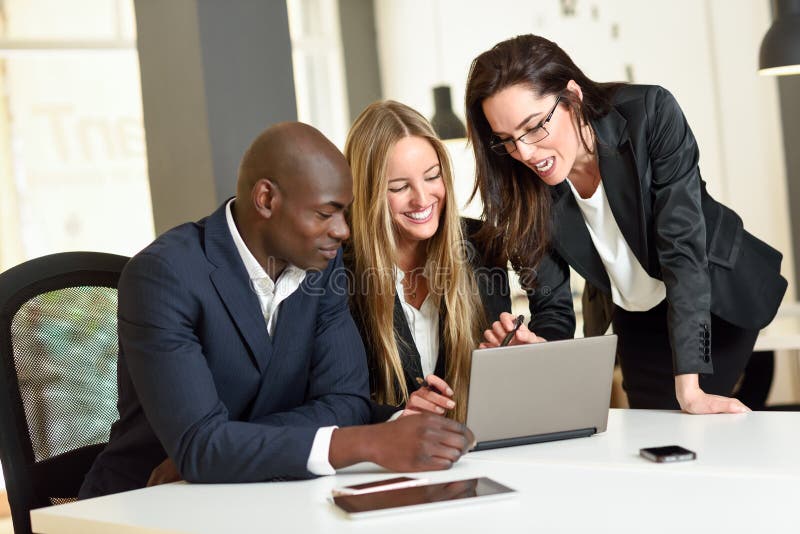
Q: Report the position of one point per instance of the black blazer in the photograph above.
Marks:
(709, 264)
(550, 304)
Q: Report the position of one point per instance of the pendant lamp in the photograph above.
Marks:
(780, 49)
(444, 121)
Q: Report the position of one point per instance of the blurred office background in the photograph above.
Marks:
(120, 119)
(73, 168)
(73, 157)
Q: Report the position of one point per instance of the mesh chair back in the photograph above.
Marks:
(58, 390)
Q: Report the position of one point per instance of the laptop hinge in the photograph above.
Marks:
(538, 438)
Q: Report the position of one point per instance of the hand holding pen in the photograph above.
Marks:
(517, 323)
(509, 330)
(433, 396)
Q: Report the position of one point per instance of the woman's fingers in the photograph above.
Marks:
(491, 338)
(418, 403)
(507, 321)
(494, 336)
(705, 403)
(525, 336)
(439, 384)
(427, 400)
(727, 405)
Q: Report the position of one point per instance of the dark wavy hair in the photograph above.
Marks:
(516, 203)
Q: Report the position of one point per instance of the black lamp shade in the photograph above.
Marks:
(444, 121)
(780, 48)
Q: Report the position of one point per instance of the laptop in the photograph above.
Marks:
(525, 394)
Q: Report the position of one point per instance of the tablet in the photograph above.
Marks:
(379, 485)
(422, 497)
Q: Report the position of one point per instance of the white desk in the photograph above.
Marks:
(746, 479)
(752, 444)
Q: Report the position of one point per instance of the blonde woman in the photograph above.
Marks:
(420, 293)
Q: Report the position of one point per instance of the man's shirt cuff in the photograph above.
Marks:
(318, 463)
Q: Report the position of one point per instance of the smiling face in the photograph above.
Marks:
(293, 188)
(416, 190)
(303, 213)
(515, 110)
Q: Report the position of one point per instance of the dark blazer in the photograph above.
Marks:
(201, 380)
(550, 304)
(709, 264)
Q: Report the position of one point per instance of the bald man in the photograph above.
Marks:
(239, 360)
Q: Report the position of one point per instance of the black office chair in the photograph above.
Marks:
(58, 368)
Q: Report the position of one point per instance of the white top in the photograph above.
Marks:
(632, 288)
(270, 295)
(424, 326)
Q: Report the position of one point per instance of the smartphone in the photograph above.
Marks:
(379, 485)
(422, 496)
(670, 453)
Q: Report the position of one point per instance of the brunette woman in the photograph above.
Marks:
(607, 175)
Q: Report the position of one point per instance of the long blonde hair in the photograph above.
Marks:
(374, 256)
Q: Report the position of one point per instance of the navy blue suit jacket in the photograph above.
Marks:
(201, 380)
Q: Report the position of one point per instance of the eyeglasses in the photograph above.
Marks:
(505, 147)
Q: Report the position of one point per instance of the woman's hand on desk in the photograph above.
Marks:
(694, 400)
(493, 337)
(435, 399)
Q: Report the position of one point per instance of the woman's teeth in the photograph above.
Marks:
(545, 165)
(420, 215)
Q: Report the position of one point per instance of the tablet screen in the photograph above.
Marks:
(427, 494)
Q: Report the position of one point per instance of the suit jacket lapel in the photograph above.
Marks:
(295, 306)
(441, 361)
(232, 283)
(572, 240)
(621, 181)
(409, 355)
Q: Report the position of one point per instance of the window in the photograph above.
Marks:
(319, 80)
(73, 167)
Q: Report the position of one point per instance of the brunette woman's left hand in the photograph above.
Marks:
(505, 324)
(696, 401)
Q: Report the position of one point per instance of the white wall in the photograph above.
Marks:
(704, 51)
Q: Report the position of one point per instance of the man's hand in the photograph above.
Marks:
(164, 473)
(505, 324)
(696, 401)
(437, 400)
(424, 442)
